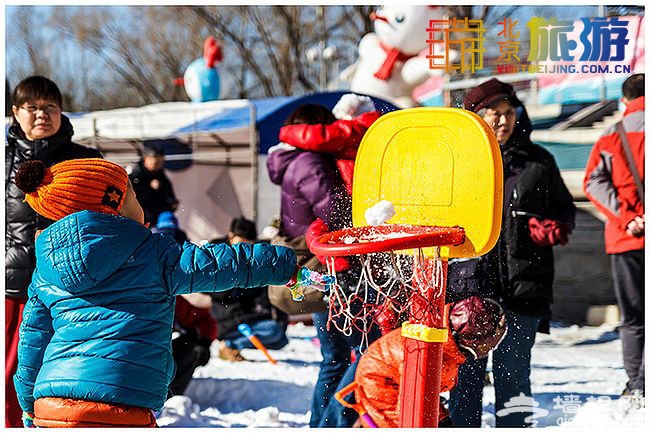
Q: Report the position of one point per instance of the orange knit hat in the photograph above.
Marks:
(72, 186)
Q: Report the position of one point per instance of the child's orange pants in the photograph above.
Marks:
(66, 412)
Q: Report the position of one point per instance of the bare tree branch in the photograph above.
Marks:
(295, 42)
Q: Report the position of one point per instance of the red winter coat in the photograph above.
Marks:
(609, 184)
(340, 138)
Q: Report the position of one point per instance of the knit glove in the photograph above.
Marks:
(548, 232)
(317, 229)
(351, 105)
(28, 420)
(478, 325)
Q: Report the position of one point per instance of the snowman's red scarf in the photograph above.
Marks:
(393, 55)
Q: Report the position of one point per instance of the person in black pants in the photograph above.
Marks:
(614, 183)
(538, 214)
(194, 332)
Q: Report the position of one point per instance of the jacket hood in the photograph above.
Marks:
(43, 147)
(83, 249)
(278, 162)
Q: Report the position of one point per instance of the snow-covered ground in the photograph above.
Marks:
(577, 376)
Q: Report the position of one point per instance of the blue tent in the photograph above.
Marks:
(271, 113)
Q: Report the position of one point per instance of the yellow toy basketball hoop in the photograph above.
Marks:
(441, 169)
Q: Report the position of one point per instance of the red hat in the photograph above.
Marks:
(487, 93)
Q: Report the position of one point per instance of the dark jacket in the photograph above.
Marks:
(237, 306)
(311, 188)
(21, 222)
(153, 201)
(517, 271)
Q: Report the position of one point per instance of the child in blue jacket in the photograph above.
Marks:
(95, 342)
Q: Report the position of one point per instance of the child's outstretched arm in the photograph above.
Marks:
(35, 334)
(328, 138)
(219, 267)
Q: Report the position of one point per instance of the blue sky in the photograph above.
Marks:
(76, 61)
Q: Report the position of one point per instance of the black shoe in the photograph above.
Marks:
(632, 391)
(626, 390)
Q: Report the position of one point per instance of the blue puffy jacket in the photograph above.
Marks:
(98, 322)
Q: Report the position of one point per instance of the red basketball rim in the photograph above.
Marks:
(387, 237)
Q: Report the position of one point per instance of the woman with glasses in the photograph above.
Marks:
(538, 213)
(38, 131)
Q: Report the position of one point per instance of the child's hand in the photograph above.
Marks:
(305, 277)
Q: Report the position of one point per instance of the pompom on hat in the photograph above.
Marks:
(93, 184)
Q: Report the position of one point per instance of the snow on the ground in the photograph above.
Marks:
(577, 376)
(253, 393)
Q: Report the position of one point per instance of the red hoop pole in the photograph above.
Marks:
(420, 384)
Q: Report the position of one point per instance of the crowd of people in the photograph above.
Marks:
(110, 308)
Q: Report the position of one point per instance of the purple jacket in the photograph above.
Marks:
(311, 188)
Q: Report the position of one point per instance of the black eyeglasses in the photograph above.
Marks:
(48, 109)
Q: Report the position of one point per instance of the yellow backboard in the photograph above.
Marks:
(439, 167)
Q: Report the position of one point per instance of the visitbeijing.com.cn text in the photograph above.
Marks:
(563, 69)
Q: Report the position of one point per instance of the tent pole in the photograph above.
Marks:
(254, 144)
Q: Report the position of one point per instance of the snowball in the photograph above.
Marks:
(380, 213)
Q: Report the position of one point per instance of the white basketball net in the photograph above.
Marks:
(398, 279)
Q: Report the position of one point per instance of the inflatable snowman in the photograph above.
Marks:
(388, 64)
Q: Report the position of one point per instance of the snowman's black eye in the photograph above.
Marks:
(399, 19)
